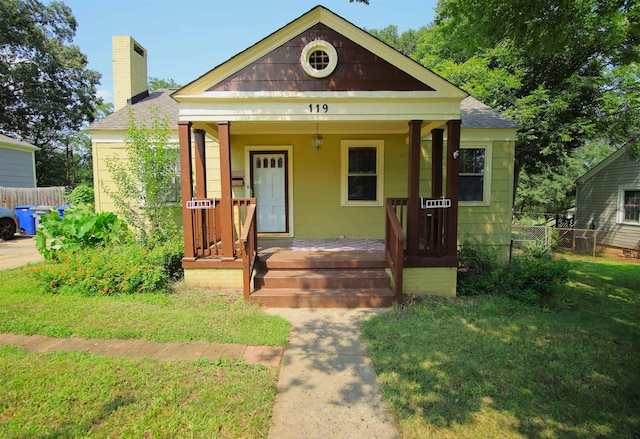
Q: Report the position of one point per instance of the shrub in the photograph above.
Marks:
(81, 196)
(537, 249)
(530, 278)
(116, 269)
(533, 280)
(169, 254)
(80, 228)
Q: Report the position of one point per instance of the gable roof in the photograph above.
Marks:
(159, 100)
(606, 162)
(320, 16)
(475, 114)
(6, 141)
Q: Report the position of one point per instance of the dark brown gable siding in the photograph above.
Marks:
(358, 69)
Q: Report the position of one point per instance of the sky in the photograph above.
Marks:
(187, 38)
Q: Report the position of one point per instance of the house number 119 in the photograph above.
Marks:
(317, 108)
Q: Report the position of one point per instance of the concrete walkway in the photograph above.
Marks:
(137, 349)
(327, 386)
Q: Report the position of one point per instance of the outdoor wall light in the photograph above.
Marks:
(456, 154)
(317, 140)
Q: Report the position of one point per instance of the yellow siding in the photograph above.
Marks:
(101, 175)
(438, 281)
(493, 222)
(214, 277)
(316, 184)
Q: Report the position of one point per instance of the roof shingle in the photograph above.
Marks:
(160, 99)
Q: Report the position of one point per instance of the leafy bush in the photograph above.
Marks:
(479, 257)
(126, 269)
(537, 249)
(169, 255)
(80, 228)
(530, 278)
(81, 196)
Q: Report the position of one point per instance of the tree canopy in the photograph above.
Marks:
(567, 72)
(46, 90)
(154, 83)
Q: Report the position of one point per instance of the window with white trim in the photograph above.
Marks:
(362, 172)
(629, 205)
(474, 164)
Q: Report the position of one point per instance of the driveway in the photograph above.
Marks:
(19, 251)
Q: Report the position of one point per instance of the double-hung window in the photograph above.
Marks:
(362, 176)
(629, 205)
(473, 183)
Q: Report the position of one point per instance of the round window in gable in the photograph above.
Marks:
(319, 59)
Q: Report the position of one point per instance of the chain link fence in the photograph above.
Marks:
(576, 240)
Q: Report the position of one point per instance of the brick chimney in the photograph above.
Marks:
(129, 71)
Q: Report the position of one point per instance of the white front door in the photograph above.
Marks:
(269, 183)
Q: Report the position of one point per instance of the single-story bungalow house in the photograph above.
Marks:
(17, 163)
(321, 167)
(608, 200)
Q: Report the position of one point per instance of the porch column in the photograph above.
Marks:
(413, 191)
(186, 188)
(437, 136)
(453, 169)
(226, 208)
(201, 171)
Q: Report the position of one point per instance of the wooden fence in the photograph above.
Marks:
(40, 196)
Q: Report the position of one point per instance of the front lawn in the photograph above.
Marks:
(85, 395)
(491, 367)
(186, 315)
(80, 395)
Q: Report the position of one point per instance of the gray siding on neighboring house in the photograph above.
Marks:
(597, 201)
(16, 168)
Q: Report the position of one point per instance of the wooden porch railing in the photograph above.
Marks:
(394, 246)
(431, 227)
(248, 248)
(205, 219)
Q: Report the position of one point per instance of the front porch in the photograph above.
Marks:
(291, 272)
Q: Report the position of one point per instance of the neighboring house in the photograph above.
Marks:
(17, 163)
(322, 132)
(608, 200)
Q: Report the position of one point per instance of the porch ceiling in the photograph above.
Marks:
(309, 127)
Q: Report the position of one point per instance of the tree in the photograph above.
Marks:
(561, 54)
(142, 179)
(566, 72)
(46, 91)
(158, 83)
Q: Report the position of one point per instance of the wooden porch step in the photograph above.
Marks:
(310, 287)
(324, 298)
(322, 278)
(296, 260)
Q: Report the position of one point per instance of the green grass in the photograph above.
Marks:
(62, 395)
(83, 395)
(186, 315)
(491, 367)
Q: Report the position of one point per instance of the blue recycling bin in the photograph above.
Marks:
(61, 210)
(26, 219)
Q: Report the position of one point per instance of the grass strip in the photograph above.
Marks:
(186, 315)
(84, 395)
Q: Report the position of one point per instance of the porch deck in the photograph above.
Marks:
(321, 253)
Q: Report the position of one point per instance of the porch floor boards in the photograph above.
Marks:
(321, 274)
